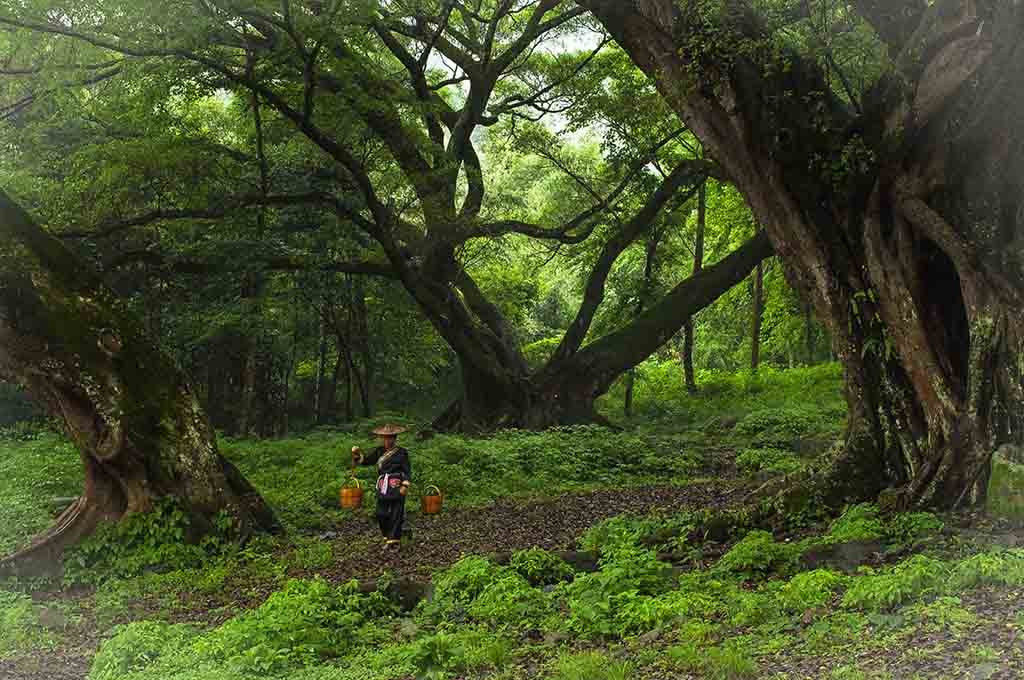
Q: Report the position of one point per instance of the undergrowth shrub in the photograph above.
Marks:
(510, 601)
(758, 554)
(436, 656)
(20, 627)
(906, 581)
(143, 541)
(908, 528)
(771, 460)
(859, 522)
(591, 666)
(615, 533)
(540, 567)
(35, 467)
(1000, 567)
(302, 624)
(601, 603)
(463, 582)
(810, 589)
(136, 645)
(781, 425)
(720, 662)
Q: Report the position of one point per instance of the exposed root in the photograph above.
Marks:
(43, 555)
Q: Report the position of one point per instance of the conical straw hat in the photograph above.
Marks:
(389, 430)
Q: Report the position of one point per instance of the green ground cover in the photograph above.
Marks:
(864, 595)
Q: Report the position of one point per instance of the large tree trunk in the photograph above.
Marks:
(132, 414)
(912, 258)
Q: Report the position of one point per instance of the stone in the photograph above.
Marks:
(1006, 484)
(844, 556)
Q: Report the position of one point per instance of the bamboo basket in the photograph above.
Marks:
(352, 496)
(430, 503)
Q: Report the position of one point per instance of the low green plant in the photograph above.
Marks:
(945, 612)
(510, 601)
(908, 528)
(302, 624)
(780, 425)
(311, 554)
(602, 603)
(36, 467)
(591, 666)
(859, 522)
(769, 460)
(20, 626)
(540, 567)
(1002, 567)
(908, 580)
(757, 554)
(462, 582)
(137, 645)
(143, 541)
(720, 662)
(809, 590)
(439, 655)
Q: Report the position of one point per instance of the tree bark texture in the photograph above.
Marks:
(134, 417)
(911, 255)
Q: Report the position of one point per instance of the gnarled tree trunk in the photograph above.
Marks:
(564, 391)
(133, 415)
(912, 258)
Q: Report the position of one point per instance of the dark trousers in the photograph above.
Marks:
(390, 517)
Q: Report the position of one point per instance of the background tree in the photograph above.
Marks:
(391, 97)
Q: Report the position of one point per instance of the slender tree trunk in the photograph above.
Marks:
(360, 332)
(321, 370)
(252, 288)
(650, 251)
(698, 264)
(757, 314)
(130, 411)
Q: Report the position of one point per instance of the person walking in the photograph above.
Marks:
(395, 473)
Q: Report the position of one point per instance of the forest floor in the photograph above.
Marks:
(978, 634)
(432, 544)
(862, 596)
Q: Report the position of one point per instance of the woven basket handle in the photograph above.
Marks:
(358, 483)
(427, 491)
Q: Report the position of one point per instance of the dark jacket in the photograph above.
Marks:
(395, 465)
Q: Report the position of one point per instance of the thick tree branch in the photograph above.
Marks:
(280, 263)
(220, 211)
(615, 353)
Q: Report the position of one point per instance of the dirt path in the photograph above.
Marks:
(505, 526)
(435, 543)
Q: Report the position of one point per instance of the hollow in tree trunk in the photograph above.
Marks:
(134, 417)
